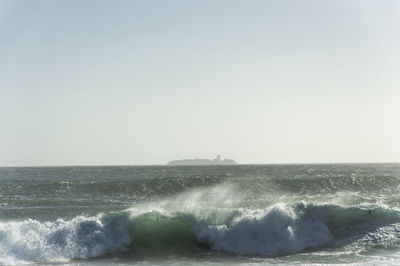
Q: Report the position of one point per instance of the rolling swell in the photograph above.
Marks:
(316, 184)
(274, 231)
(351, 182)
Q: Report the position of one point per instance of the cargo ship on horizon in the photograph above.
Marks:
(216, 161)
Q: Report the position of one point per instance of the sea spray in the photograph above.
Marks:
(273, 231)
(81, 237)
(277, 230)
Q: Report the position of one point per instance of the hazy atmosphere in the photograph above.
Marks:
(146, 82)
(207, 132)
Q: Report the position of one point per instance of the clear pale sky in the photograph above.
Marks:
(145, 82)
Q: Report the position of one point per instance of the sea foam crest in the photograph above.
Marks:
(276, 230)
(81, 237)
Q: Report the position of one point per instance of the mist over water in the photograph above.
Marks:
(342, 213)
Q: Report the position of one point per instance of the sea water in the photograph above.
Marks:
(201, 215)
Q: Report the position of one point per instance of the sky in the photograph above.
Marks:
(144, 82)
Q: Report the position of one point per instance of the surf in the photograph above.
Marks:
(274, 231)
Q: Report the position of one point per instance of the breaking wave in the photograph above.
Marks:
(81, 237)
(277, 230)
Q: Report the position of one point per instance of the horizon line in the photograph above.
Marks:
(237, 164)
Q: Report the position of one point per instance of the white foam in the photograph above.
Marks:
(81, 237)
(276, 230)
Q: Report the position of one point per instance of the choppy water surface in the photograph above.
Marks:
(248, 214)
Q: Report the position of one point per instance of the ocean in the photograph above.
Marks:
(200, 215)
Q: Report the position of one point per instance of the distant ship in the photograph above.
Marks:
(216, 161)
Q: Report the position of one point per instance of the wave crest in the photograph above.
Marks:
(275, 231)
(81, 237)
